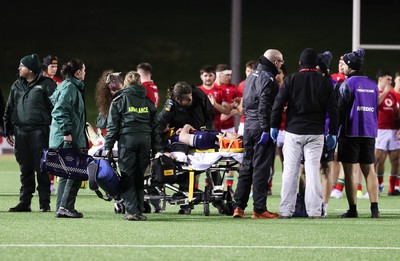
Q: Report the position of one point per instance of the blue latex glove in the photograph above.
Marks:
(264, 138)
(274, 134)
(330, 141)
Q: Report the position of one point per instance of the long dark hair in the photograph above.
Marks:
(69, 69)
(178, 90)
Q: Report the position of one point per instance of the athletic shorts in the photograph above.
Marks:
(356, 150)
(241, 128)
(205, 140)
(387, 140)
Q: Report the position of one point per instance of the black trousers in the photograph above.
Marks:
(28, 148)
(255, 170)
(133, 158)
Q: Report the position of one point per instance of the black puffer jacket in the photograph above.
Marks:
(28, 105)
(259, 93)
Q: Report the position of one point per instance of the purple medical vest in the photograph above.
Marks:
(363, 119)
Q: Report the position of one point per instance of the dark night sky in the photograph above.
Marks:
(179, 36)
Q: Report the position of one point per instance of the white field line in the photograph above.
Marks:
(199, 246)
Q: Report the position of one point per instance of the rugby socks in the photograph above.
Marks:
(380, 178)
(339, 185)
(374, 210)
(229, 180)
(359, 186)
(397, 186)
(196, 182)
(353, 208)
(392, 182)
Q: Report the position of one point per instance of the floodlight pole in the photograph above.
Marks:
(356, 32)
(236, 21)
(356, 24)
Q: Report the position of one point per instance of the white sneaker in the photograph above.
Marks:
(336, 193)
(365, 196)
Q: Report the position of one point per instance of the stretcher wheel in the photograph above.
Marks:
(206, 209)
(147, 207)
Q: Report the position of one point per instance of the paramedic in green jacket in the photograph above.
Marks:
(26, 126)
(132, 122)
(68, 130)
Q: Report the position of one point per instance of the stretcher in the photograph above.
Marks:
(215, 165)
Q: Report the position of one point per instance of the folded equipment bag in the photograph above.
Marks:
(104, 174)
(163, 170)
(69, 163)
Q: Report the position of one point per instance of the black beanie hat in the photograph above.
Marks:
(308, 57)
(31, 62)
(324, 60)
(354, 59)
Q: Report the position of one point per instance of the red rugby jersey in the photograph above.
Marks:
(152, 92)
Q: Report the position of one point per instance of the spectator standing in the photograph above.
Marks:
(309, 97)
(259, 151)
(27, 119)
(358, 105)
(68, 130)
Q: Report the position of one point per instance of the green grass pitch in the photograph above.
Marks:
(103, 235)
